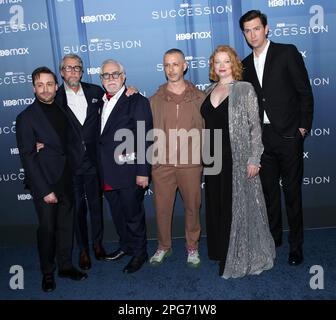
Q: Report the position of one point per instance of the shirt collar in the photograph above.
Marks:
(116, 96)
(264, 52)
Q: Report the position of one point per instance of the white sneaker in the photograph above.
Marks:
(193, 258)
(159, 256)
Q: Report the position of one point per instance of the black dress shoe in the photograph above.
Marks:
(278, 243)
(84, 260)
(135, 264)
(221, 268)
(99, 251)
(116, 255)
(72, 274)
(295, 258)
(48, 283)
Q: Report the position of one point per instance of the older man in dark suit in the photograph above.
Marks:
(279, 76)
(48, 175)
(125, 171)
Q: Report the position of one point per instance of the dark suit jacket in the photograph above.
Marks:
(286, 93)
(125, 115)
(44, 168)
(87, 133)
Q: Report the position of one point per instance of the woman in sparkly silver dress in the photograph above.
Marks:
(238, 234)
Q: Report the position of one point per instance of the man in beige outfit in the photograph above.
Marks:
(177, 158)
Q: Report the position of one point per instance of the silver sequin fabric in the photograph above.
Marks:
(251, 246)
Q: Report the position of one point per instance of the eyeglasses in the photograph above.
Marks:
(70, 68)
(107, 76)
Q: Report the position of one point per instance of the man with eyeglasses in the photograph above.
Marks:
(82, 102)
(123, 164)
(281, 81)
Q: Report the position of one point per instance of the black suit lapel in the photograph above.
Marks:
(267, 75)
(89, 99)
(60, 98)
(251, 73)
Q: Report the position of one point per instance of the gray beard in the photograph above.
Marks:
(73, 84)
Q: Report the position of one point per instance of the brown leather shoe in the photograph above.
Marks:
(84, 260)
(99, 251)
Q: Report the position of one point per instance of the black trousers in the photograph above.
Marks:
(55, 232)
(128, 214)
(283, 159)
(88, 197)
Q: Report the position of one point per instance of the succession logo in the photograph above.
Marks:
(193, 63)
(320, 132)
(15, 22)
(96, 45)
(191, 10)
(316, 25)
(316, 180)
(12, 176)
(9, 129)
(14, 78)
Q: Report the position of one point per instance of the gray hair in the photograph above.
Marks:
(121, 67)
(71, 56)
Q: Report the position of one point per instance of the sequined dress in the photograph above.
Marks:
(241, 234)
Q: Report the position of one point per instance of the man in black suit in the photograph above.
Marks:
(82, 102)
(124, 168)
(48, 175)
(279, 76)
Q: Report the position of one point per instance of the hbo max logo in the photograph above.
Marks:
(285, 3)
(99, 18)
(24, 196)
(193, 35)
(93, 70)
(17, 102)
(14, 52)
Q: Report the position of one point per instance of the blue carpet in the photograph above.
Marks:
(173, 280)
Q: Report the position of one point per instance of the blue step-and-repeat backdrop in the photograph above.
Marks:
(137, 33)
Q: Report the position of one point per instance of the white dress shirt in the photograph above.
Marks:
(108, 107)
(259, 64)
(77, 103)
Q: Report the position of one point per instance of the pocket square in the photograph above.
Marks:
(127, 157)
(94, 100)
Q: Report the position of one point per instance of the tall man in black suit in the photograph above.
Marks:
(279, 76)
(83, 101)
(124, 168)
(48, 175)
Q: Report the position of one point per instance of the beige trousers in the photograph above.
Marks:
(166, 180)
